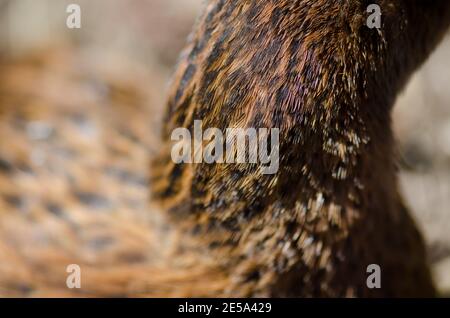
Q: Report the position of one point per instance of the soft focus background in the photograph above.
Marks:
(151, 33)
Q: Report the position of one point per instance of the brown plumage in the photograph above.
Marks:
(312, 69)
(317, 72)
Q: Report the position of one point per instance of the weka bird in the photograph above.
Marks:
(314, 70)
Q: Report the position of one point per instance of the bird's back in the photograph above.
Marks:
(76, 136)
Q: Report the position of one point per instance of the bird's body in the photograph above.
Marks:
(72, 169)
(73, 175)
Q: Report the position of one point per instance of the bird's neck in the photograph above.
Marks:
(316, 72)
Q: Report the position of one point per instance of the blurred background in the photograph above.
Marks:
(150, 34)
